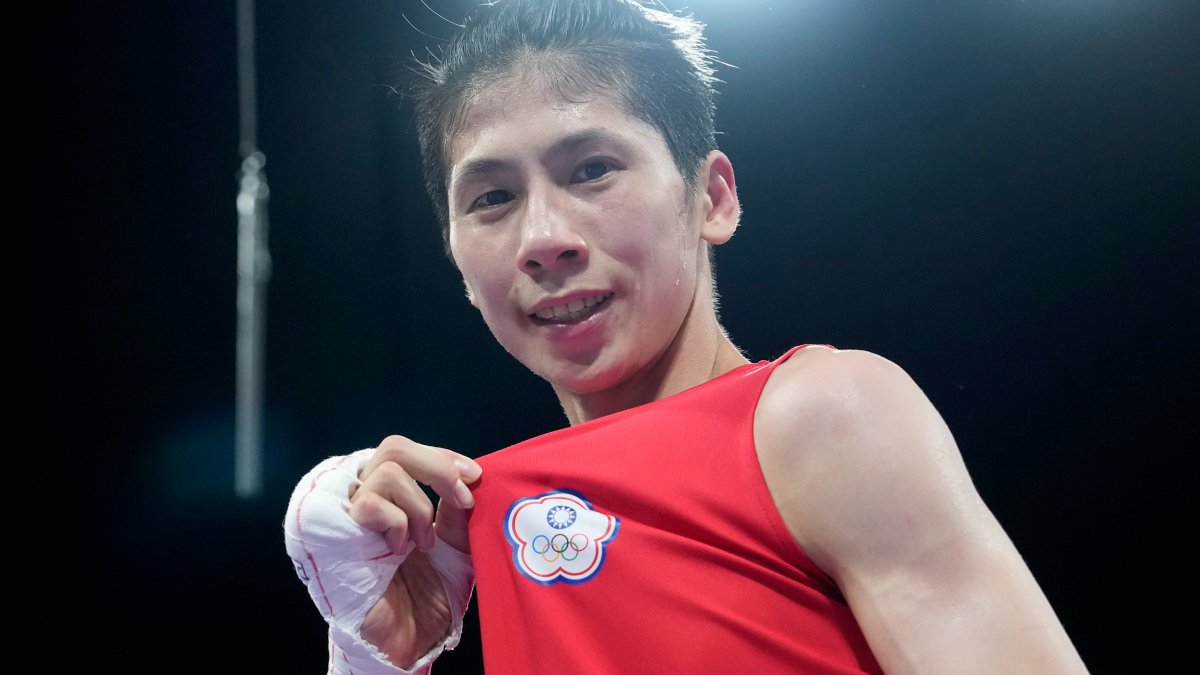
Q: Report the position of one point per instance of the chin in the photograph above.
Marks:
(588, 378)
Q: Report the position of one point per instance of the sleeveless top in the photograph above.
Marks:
(646, 541)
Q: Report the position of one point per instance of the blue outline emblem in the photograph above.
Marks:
(558, 536)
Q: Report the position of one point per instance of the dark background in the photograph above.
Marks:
(999, 196)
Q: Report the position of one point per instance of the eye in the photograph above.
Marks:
(593, 170)
(492, 198)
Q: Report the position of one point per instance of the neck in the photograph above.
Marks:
(700, 352)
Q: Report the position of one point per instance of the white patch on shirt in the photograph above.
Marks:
(558, 536)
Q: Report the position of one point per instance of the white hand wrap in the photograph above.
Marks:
(347, 568)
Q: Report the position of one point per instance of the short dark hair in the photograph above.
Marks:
(654, 62)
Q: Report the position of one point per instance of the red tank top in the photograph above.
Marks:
(646, 542)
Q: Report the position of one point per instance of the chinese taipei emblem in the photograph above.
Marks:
(558, 536)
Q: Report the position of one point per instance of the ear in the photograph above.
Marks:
(721, 209)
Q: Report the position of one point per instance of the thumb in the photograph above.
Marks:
(450, 521)
(450, 524)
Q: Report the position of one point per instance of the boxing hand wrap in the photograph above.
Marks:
(346, 567)
(349, 654)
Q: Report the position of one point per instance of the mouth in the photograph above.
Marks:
(570, 312)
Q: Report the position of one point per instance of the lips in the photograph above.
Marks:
(572, 311)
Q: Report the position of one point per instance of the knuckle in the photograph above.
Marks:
(422, 511)
(369, 511)
(396, 449)
(390, 447)
(391, 472)
(393, 442)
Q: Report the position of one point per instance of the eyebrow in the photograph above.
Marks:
(564, 146)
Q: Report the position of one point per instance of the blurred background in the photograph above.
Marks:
(999, 196)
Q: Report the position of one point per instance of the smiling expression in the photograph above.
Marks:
(574, 233)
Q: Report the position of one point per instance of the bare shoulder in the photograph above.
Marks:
(834, 397)
(855, 454)
(871, 484)
(829, 378)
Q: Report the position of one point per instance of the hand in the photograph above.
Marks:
(360, 531)
(414, 612)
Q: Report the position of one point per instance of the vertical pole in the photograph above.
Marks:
(253, 270)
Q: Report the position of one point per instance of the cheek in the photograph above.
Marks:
(657, 243)
(656, 214)
(490, 295)
(471, 265)
(482, 293)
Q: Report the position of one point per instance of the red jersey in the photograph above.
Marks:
(646, 541)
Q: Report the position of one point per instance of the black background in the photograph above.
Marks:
(999, 196)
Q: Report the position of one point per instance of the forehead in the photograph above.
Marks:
(510, 118)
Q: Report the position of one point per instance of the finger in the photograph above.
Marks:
(374, 512)
(390, 498)
(398, 539)
(468, 469)
(446, 472)
(451, 525)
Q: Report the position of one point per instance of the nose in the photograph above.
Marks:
(549, 238)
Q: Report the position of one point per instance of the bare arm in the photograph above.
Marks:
(872, 485)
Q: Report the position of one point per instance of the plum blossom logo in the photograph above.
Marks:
(558, 536)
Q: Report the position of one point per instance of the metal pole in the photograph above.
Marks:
(253, 270)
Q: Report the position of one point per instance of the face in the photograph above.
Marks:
(574, 234)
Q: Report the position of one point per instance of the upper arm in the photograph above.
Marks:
(870, 481)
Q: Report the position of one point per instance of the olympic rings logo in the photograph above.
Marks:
(558, 536)
(560, 545)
